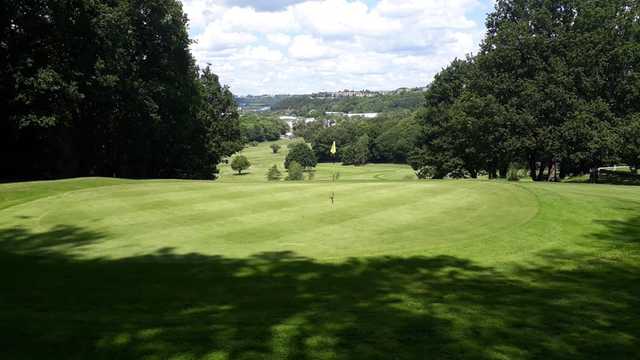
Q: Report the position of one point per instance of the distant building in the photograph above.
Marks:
(364, 115)
(350, 115)
(290, 120)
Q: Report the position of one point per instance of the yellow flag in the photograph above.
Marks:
(333, 148)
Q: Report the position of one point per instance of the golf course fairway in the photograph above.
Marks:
(242, 268)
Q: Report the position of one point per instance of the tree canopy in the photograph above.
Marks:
(304, 105)
(240, 163)
(302, 154)
(260, 127)
(555, 85)
(388, 138)
(107, 88)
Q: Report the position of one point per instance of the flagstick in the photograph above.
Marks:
(333, 157)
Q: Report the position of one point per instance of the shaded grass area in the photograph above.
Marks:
(563, 305)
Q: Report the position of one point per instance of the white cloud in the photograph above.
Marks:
(248, 19)
(258, 53)
(306, 47)
(279, 39)
(343, 18)
(291, 46)
(215, 37)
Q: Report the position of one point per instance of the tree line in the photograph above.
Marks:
(555, 88)
(305, 105)
(388, 138)
(108, 88)
(260, 127)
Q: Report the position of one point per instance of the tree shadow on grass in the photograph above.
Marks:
(20, 239)
(281, 305)
(622, 232)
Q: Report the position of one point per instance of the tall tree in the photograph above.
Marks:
(101, 87)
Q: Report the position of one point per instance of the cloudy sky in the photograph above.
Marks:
(303, 46)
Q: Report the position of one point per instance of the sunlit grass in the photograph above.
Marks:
(243, 268)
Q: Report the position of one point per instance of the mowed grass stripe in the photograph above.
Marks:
(153, 205)
(371, 218)
(447, 226)
(237, 228)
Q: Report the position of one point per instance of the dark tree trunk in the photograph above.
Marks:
(492, 173)
(540, 176)
(503, 171)
(593, 175)
(532, 167)
(563, 171)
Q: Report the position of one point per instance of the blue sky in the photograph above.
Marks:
(298, 46)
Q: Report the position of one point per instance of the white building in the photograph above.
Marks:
(364, 115)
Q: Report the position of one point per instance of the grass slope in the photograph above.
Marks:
(246, 269)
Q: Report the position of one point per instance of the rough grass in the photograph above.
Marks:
(246, 269)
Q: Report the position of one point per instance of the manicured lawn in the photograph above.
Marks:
(246, 269)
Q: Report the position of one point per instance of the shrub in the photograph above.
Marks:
(240, 163)
(295, 172)
(458, 173)
(302, 154)
(275, 148)
(513, 174)
(425, 172)
(273, 174)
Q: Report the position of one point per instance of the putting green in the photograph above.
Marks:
(483, 221)
(239, 220)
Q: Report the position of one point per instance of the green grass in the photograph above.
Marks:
(246, 269)
(262, 158)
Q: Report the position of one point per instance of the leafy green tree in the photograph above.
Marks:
(219, 118)
(107, 88)
(552, 87)
(304, 105)
(630, 149)
(259, 127)
(295, 171)
(275, 148)
(442, 127)
(240, 163)
(302, 154)
(273, 174)
(589, 137)
(358, 153)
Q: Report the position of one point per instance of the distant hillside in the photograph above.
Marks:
(309, 104)
(259, 102)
